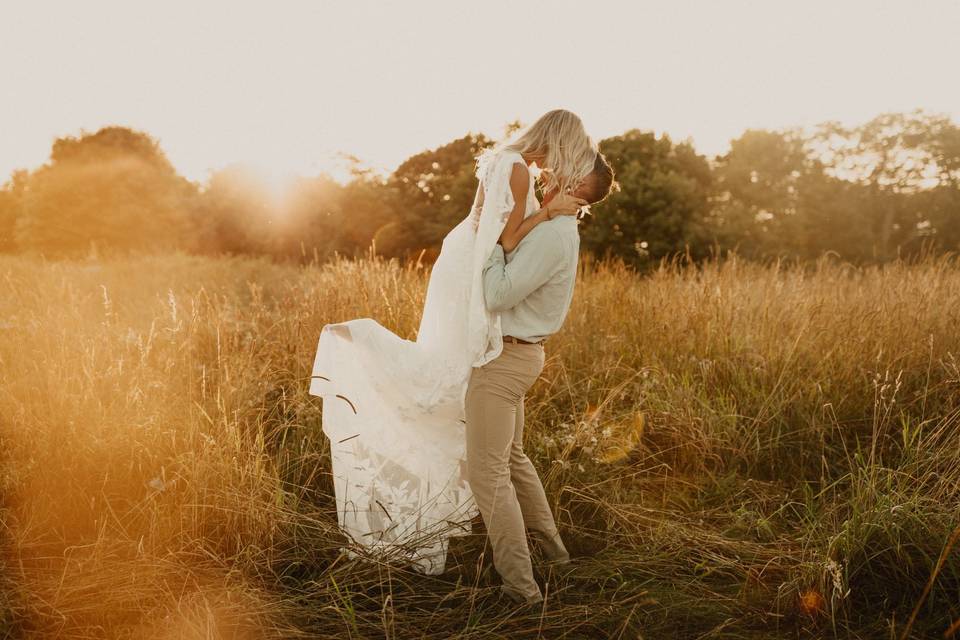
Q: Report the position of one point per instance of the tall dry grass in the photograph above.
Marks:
(733, 450)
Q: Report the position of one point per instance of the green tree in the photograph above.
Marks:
(941, 204)
(756, 191)
(234, 213)
(313, 218)
(662, 205)
(898, 159)
(429, 194)
(11, 198)
(868, 192)
(367, 208)
(318, 218)
(113, 190)
(774, 199)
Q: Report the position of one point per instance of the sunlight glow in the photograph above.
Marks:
(291, 85)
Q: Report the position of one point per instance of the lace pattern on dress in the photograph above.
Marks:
(493, 171)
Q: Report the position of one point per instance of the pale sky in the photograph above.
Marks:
(285, 85)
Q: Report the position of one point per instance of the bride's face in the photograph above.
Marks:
(584, 190)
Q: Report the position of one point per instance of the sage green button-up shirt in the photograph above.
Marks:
(532, 286)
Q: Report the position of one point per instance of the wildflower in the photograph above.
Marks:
(811, 602)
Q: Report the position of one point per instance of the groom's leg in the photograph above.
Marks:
(491, 401)
(533, 500)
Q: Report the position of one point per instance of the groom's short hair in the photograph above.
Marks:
(599, 182)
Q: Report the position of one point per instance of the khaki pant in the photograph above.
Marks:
(504, 482)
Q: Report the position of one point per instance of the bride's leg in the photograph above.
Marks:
(537, 515)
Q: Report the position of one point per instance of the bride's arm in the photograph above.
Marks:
(517, 227)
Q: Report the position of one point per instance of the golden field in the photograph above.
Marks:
(733, 450)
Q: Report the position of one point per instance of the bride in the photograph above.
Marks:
(393, 409)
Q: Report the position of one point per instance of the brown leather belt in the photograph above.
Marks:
(518, 340)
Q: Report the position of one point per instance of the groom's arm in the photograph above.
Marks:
(506, 284)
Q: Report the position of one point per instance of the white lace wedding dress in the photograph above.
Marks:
(393, 408)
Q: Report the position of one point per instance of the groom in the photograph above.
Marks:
(531, 287)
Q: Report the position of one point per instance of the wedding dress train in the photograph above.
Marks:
(393, 409)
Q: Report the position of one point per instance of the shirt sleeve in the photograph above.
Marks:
(535, 259)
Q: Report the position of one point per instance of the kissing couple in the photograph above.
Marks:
(425, 434)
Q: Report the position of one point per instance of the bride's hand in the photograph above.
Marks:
(564, 204)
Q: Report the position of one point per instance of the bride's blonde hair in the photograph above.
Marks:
(569, 152)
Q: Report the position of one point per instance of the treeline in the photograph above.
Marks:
(869, 193)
